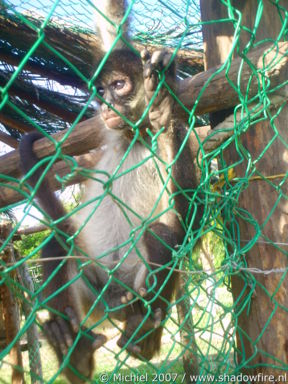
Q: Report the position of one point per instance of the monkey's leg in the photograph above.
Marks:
(61, 331)
(150, 329)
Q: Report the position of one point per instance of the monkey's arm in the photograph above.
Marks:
(164, 113)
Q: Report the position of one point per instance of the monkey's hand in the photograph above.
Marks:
(62, 333)
(154, 67)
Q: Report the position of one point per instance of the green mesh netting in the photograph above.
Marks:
(227, 322)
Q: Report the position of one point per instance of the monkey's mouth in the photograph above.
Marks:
(112, 120)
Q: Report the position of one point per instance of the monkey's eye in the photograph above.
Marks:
(100, 91)
(118, 84)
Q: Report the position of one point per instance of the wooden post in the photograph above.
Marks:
(32, 332)
(11, 314)
(261, 300)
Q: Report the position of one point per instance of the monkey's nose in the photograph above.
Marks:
(107, 107)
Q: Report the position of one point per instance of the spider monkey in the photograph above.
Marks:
(132, 219)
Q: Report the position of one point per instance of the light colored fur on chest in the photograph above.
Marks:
(118, 200)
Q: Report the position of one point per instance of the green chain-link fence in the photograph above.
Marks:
(229, 317)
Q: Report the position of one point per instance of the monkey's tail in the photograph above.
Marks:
(28, 159)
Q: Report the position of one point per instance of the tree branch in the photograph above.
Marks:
(10, 192)
(86, 135)
(268, 60)
(9, 140)
(14, 124)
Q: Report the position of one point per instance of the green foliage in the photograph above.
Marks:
(28, 243)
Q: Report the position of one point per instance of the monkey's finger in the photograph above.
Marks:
(134, 349)
(65, 330)
(150, 82)
(158, 62)
(145, 55)
(166, 59)
(59, 339)
(49, 333)
(157, 317)
(73, 319)
(147, 70)
(99, 340)
(160, 59)
(127, 297)
(142, 292)
(96, 340)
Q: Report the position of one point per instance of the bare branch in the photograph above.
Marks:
(86, 136)
(219, 93)
(10, 193)
(9, 140)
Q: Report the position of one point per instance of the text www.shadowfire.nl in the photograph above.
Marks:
(184, 378)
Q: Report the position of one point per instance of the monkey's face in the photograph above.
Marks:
(116, 91)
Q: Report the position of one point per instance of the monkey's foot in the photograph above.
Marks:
(146, 347)
(155, 66)
(61, 333)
